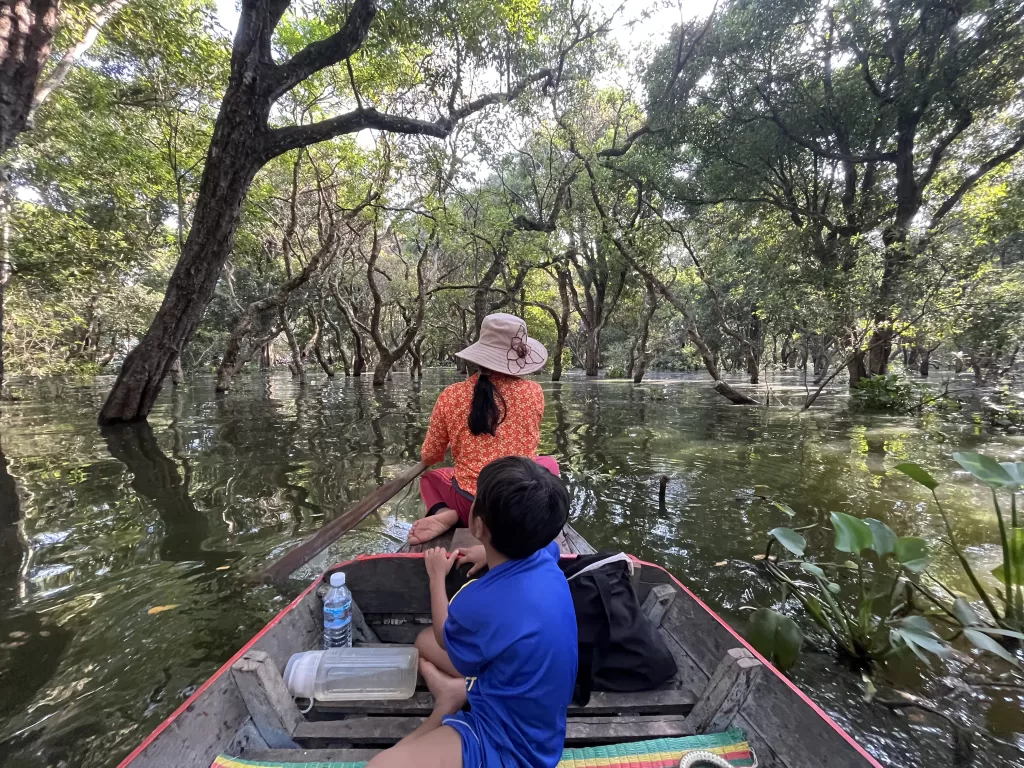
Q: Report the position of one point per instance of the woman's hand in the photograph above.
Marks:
(475, 555)
(438, 563)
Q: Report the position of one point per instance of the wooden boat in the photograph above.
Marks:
(245, 711)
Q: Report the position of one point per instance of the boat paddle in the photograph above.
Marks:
(339, 526)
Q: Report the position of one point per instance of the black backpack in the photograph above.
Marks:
(619, 649)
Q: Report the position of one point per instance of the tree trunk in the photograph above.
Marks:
(593, 352)
(26, 33)
(926, 362)
(857, 369)
(416, 353)
(318, 352)
(382, 371)
(265, 361)
(177, 374)
(236, 154)
(642, 353)
(298, 370)
(229, 171)
(753, 368)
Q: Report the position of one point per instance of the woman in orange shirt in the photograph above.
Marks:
(490, 415)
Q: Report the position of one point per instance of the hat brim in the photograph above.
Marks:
(506, 361)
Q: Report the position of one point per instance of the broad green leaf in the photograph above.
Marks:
(790, 539)
(775, 636)
(985, 643)
(919, 635)
(789, 640)
(834, 588)
(917, 624)
(918, 474)
(784, 508)
(812, 568)
(965, 614)
(984, 468)
(761, 631)
(852, 535)
(1015, 471)
(884, 538)
(912, 553)
(1015, 538)
(1001, 632)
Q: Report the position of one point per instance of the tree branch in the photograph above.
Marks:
(327, 52)
(281, 140)
(73, 54)
(969, 182)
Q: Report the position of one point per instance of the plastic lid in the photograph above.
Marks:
(338, 579)
(300, 674)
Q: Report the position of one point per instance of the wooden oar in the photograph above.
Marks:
(339, 526)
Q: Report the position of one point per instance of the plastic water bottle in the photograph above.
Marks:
(338, 614)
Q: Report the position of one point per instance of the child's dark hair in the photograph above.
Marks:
(522, 504)
(485, 413)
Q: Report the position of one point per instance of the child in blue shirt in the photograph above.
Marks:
(507, 641)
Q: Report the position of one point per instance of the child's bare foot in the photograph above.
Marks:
(449, 692)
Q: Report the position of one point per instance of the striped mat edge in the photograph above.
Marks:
(656, 753)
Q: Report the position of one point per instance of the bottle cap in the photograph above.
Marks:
(338, 579)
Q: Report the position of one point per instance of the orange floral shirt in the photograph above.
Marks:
(517, 435)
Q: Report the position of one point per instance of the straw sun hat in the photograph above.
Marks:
(504, 346)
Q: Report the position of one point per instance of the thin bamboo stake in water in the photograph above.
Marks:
(318, 542)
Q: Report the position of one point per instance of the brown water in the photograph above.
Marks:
(96, 530)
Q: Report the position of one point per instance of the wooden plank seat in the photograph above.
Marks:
(675, 701)
(580, 731)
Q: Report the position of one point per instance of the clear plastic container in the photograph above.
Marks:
(346, 674)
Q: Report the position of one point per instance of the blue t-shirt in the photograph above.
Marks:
(512, 635)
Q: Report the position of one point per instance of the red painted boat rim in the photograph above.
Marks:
(401, 555)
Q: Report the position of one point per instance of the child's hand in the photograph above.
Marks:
(475, 555)
(438, 562)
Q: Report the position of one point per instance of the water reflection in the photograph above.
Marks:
(12, 551)
(97, 529)
(155, 478)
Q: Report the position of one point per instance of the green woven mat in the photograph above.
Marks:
(655, 753)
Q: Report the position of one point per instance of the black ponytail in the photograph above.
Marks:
(485, 414)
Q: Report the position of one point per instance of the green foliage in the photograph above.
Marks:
(873, 606)
(1007, 477)
(888, 392)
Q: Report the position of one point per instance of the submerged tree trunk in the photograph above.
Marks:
(319, 353)
(857, 369)
(416, 364)
(925, 363)
(592, 349)
(230, 168)
(177, 374)
(298, 370)
(643, 355)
